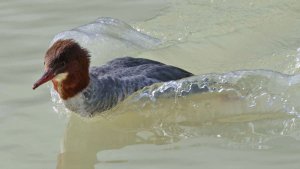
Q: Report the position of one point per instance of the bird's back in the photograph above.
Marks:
(128, 67)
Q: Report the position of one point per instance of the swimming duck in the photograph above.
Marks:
(90, 90)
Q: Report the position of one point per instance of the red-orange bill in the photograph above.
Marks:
(47, 76)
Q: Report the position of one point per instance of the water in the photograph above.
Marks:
(248, 118)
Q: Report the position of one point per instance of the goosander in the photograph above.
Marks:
(88, 91)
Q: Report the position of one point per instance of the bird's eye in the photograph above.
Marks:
(63, 64)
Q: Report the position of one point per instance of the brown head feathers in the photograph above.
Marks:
(65, 50)
(67, 65)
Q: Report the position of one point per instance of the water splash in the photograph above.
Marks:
(243, 106)
(58, 105)
(257, 88)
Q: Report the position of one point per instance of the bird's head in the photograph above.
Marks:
(66, 63)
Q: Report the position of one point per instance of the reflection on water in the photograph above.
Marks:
(242, 109)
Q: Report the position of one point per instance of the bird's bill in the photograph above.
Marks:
(47, 76)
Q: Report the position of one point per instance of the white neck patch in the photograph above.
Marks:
(60, 77)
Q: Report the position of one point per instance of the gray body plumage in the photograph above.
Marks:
(114, 81)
